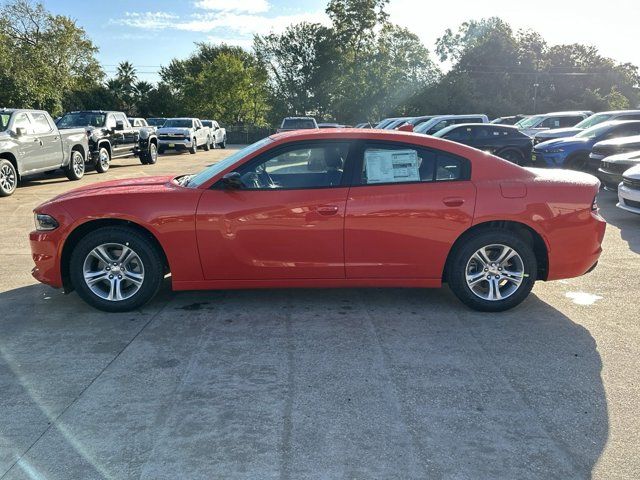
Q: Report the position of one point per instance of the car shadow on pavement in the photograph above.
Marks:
(364, 383)
(627, 222)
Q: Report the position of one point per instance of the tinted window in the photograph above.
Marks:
(385, 164)
(439, 126)
(470, 120)
(551, 122)
(207, 123)
(82, 119)
(635, 116)
(570, 121)
(624, 131)
(178, 123)
(458, 134)
(40, 123)
(308, 166)
(298, 123)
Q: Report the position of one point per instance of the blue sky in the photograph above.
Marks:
(151, 33)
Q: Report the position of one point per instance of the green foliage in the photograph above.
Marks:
(43, 57)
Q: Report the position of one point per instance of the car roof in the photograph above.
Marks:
(569, 112)
(490, 125)
(299, 118)
(182, 118)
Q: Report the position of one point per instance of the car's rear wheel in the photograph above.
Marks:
(104, 160)
(75, 169)
(207, 144)
(116, 269)
(193, 149)
(8, 178)
(492, 270)
(150, 157)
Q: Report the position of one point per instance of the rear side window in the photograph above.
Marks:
(40, 123)
(298, 123)
(388, 164)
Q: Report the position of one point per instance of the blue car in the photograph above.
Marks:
(573, 152)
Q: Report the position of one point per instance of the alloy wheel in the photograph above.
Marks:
(495, 272)
(7, 178)
(113, 272)
(78, 164)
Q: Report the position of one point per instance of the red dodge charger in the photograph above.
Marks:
(341, 208)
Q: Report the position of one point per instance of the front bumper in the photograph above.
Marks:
(45, 255)
(178, 143)
(629, 199)
(610, 180)
(549, 160)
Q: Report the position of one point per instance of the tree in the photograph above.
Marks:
(43, 57)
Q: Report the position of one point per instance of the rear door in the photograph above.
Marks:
(405, 209)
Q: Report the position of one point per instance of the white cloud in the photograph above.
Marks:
(147, 20)
(247, 24)
(249, 6)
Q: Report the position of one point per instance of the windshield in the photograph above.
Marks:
(593, 120)
(156, 122)
(178, 123)
(4, 121)
(216, 168)
(82, 119)
(594, 132)
(298, 123)
(530, 121)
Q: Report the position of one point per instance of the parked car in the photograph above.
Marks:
(137, 122)
(588, 122)
(363, 125)
(111, 137)
(383, 123)
(573, 152)
(629, 191)
(156, 122)
(396, 123)
(31, 143)
(297, 123)
(415, 121)
(511, 120)
(501, 140)
(218, 134)
(425, 211)
(332, 125)
(614, 146)
(439, 122)
(537, 123)
(183, 134)
(612, 168)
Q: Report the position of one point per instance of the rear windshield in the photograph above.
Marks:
(178, 123)
(4, 121)
(298, 123)
(82, 119)
(207, 123)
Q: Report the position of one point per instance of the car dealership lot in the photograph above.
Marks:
(363, 383)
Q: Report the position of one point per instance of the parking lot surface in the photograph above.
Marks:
(357, 384)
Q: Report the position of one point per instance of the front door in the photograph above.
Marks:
(29, 146)
(406, 208)
(51, 154)
(285, 222)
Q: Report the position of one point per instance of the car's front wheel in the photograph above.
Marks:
(193, 149)
(104, 160)
(492, 270)
(8, 178)
(116, 269)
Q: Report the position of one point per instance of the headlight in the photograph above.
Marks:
(45, 223)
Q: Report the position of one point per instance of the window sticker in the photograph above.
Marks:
(388, 166)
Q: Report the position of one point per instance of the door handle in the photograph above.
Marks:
(453, 201)
(327, 210)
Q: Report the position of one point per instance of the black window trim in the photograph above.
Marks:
(273, 152)
(358, 160)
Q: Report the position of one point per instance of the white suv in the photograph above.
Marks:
(183, 133)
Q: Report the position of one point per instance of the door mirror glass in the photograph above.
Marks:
(232, 181)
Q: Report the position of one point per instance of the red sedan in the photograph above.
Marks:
(327, 208)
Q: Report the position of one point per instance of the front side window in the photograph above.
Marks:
(22, 121)
(388, 164)
(457, 134)
(40, 123)
(551, 122)
(308, 166)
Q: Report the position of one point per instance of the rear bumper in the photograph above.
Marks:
(575, 251)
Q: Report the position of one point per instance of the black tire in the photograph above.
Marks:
(512, 155)
(143, 247)
(150, 157)
(75, 169)
(193, 149)
(578, 162)
(461, 259)
(104, 160)
(223, 144)
(207, 145)
(8, 178)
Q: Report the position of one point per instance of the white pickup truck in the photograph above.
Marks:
(183, 134)
(218, 134)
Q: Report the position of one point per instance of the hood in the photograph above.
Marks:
(130, 185)
(633, 172)
(621, 142)
(559, 133)
(562, 143)
(624, 157)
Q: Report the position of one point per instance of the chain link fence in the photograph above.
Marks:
(247, 134)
